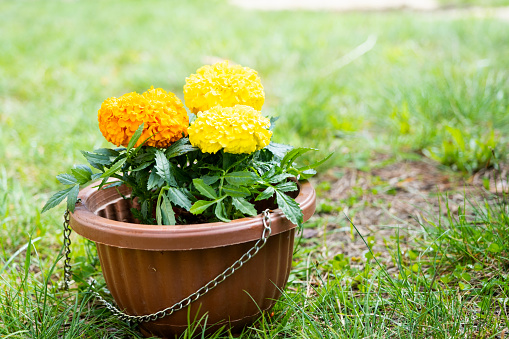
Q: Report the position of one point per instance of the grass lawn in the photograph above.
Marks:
(414, 105)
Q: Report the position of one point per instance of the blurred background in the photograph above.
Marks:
(376, 82)
(395, 80)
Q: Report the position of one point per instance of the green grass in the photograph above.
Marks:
(401, 85)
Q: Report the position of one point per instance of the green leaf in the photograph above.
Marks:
(180, 197)
(200, 206)
(244, 206)
(154, 180)
(268, 193)
(279, 150)
(67, 179)
(167, 211)
(107, 151)
(237, 192)
(289, 186)
(72, 197)
(243, 178)
(182, 146)
(143, 158)
(280, 178)
(305, 174)
(294, 154)
(209, 180)
(82, 173)
(220, 212)
(164, 211)
(204, 189)
(114, 169)
(94, 158)
(56, 199)
(164, 168)
(135, 137)
(290, 208)
(142, 167)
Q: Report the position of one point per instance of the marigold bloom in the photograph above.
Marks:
(238, 129)
(163, 115)
(223, 85)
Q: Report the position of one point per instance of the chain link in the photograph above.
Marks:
(267, 230)
(67, 251)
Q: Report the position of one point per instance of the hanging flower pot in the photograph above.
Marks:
(175, 209)
(149, 268)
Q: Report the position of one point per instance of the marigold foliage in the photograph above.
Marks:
(238, 129)
(224, 85)
(162, 114)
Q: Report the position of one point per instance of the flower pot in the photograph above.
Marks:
(148, 268)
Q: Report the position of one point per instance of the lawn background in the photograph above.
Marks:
(368, 86)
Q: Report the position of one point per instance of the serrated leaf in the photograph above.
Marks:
(289, 186)
(200, 206)
(72, 197)
(114, 169)
(237, 192)
(82, 173)
(135, 137)
(279, 150)
(56, 199)
(271, 172)
(204, 189)
(268, 193)
(290, 208)
(154, 180)
(67, 179)
(167, 211)
(244, 206)
(279, 178)
(179, 197)
(220, 212)
(95, 158)
(243, 178)
(164, 168)
(182, 146)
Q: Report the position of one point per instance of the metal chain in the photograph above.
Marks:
(67, 251)
(267, 224)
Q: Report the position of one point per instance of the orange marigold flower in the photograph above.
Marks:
(163, 115)
(223, 85)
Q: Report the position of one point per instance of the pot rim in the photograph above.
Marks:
(181, 237)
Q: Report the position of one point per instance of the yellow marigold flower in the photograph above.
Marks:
(223, 85)
(238, 129)
(163, 115)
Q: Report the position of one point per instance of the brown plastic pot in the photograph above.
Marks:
(148, 268)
